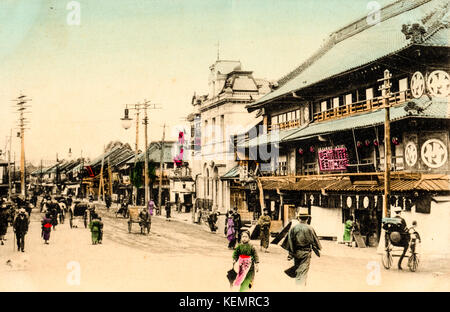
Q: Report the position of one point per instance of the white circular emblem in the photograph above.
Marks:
(417, 84)
(366, 202)
(434, 153)
(411, 154)
(306, 114)
(438, 83)
(349, 201)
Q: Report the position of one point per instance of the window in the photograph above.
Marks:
(403, 84)
(297, 114)
(323, 106)
(335, 102)
(274, 120)
(348, 99)
(369, 93)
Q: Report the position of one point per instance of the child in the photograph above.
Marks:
(247, 257)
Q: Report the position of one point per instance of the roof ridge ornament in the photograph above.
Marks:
(414, 32)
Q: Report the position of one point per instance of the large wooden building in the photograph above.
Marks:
(325, 121)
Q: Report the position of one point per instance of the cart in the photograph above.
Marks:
(133, 213)
(79, 209)
(394, 247)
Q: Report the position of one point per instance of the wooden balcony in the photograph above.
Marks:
(361, 106)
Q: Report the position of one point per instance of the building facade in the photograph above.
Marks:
(216, 118)
(326, 120)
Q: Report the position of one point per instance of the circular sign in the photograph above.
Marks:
(434, 153)
(349, 202)
(417, 84)
(438, 83)
(411, 154)
(366, 202)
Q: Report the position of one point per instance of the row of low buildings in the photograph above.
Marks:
(120, 167)
(315, 138)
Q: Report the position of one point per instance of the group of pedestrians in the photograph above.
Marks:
(300, 241)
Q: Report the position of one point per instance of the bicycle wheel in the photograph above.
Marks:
(413, 262)
(387, 260)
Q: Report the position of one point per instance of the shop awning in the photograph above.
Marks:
(232, 174)
(429, 183)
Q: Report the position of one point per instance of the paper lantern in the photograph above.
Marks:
(300, 151)
(366, 142)
(395, 141)
(311, 149)
(375, 142)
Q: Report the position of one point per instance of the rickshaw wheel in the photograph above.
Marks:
(387, 260)
(413, 263)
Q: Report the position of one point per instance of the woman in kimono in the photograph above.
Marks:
(46, 227)
(96, 226)
(348, 231)
(247, 257)
(264, 234)
(229, 231)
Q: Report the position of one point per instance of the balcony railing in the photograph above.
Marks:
(347, 110)
(362, 106)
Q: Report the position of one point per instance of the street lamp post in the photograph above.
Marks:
(126, 124)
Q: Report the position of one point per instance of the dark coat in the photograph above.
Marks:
(21, 224)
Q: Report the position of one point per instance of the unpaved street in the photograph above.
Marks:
(178, 256)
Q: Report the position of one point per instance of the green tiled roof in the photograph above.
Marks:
(233, 173)
(154, 153)
(360, 49)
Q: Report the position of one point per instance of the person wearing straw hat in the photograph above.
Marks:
(302, 240)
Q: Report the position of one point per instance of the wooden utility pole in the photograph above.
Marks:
(101, 184)
(138, 107)
(385, 88)
(9, 167)
(146, 181)
(110, 178)
(161, 159)
(21, 107)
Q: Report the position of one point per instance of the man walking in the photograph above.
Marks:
(264, 234)
(237, 224)
(302, 239)
(20, 226)
(404, 242)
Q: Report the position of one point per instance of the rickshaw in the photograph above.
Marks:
(394, 237)
(79, 209)
(134, 218)
(123, 210)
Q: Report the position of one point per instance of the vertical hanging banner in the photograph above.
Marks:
(333, 158)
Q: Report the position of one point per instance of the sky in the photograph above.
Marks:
(80, 76)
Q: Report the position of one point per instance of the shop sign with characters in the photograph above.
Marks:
(333, 158)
